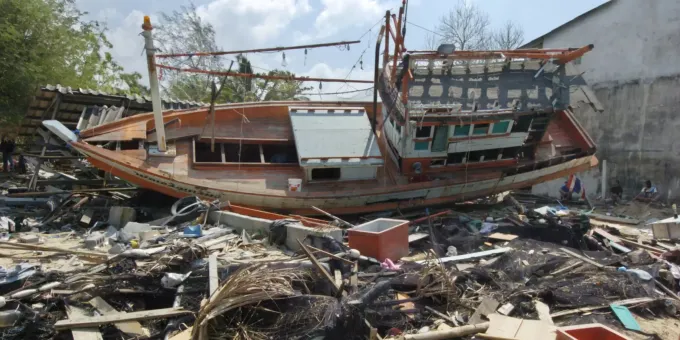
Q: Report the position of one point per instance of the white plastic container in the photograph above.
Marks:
(294, 184)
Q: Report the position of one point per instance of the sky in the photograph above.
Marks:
(248, 24)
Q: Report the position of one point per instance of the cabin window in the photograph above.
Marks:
(437, 162)
(461, 130)
(204, 155)
(500, 127)
(474, 156)
(490, 155)
(279, 153)
(522, 124)
(480, 129)
(242, 153)
(455, 158)
(440, 139)
(325, 174)
(422, 146)
(423, 132)
(510, 152)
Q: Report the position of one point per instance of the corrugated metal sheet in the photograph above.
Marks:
(334, 137)
(100, 104)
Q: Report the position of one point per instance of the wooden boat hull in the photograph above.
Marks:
(400, 197)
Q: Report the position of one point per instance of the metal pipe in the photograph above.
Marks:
(153, 83)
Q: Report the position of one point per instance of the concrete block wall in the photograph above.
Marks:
(634, 71)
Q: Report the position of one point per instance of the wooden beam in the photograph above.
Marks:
(213, 274)
(132, 328)
(467, 256)
(89, 333)
(318, 265)
(4, 244)
(582, 258)
(115, 318)
(626, 302)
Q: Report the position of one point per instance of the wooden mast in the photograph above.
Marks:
(153, 83)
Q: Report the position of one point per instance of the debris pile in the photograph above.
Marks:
(111, 264)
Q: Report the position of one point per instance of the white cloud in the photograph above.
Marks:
(337, 15)
(128, 44)
(250, 23)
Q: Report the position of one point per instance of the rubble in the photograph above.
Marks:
(112, 266)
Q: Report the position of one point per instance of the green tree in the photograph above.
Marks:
(49, 42)
(184, 31)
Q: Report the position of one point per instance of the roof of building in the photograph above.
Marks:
(74, 101)
(334, 137)
(538, 42)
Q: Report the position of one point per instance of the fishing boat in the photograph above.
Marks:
(449, 126)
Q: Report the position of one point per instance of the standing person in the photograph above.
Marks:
(648, 193)
(616, 191)
(6, 154)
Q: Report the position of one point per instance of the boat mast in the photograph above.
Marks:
(153, 83)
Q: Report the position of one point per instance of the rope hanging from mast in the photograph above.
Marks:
(271, 49)
(270, 77)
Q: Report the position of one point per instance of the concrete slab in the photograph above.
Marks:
(120, 216)
(254, 225)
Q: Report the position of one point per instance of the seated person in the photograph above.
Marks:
(648, 193)
(616, 191)
(571, 186)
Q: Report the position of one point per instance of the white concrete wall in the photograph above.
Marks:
(633, 40)
(634, 71)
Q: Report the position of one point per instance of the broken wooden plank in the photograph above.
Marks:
(417, 237)
(213, 274)
(626, 302)
(505, 327)
(442, 315)
(317, 250)
(132, 328)
(668, 291)
(467, 256)
(607, 235)
(613, 219)
(543, 312)
(582, 258)
(506, 309)
(502, 237)
(486, 307)
(52, 249)
(82, 333)
(338, 277)
(449, 333)
(354, 279)
(643, 246)
(619, 247)
(183, 335)
(318, 265)
(116, 318)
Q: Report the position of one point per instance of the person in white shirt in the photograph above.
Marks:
(648, 193)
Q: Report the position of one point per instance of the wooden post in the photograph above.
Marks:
(397, 42)
(33, 183)
(386, 55)
(153, 84)
(604, 179)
